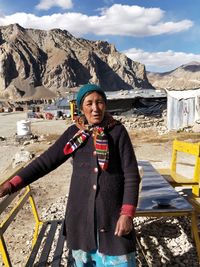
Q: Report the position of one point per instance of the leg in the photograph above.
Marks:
(80, 260)
(82, 264)
(113, 261)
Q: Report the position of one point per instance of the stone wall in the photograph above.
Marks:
(136, 121)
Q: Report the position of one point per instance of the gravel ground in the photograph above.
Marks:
(165, 241)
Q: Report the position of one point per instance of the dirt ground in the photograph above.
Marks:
(147, 143)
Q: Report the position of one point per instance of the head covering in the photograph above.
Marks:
(88, 88)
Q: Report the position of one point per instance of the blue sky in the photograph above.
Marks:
(162, 34)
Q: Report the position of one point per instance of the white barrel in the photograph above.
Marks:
(23, 127)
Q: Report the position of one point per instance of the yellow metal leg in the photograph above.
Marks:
(196, 234)
(36, 216)
(4, 253)
(195, 190)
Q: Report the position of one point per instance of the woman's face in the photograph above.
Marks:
(93, 108)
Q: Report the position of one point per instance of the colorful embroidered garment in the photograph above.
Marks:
(100, 143)
(76, 141)
(99, 136)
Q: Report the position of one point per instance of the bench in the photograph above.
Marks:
(176, 179)
(47, 241)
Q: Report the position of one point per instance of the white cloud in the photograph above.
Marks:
(118, 19)
(161, 61)
(137, 21)
(47, 4)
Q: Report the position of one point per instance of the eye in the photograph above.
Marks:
(88, 104)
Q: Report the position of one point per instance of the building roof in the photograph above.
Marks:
(148, 93)
(184, 94)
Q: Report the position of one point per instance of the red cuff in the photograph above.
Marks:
(16, 183)
(128, 210)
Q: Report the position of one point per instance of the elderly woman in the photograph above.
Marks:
(104, 185)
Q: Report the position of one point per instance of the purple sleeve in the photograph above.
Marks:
(48, 161)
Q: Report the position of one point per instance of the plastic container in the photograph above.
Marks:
(23, 127)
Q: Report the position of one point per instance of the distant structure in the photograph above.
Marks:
(183, 108)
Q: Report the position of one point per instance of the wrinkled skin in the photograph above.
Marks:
(93, 107)
(5, 189)
(124, 225)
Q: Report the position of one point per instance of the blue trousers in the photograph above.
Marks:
(96, 261)
(94, 264)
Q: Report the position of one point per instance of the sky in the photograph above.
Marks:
(161, 34)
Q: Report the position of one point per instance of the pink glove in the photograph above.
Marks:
(5, 189)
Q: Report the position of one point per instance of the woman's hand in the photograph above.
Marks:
(124, 225)
(5, 189)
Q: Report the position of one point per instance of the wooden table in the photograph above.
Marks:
(154, 186)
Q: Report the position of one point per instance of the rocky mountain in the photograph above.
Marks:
(182, 78)
(37, 63)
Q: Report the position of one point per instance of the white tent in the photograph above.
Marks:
(183, 108)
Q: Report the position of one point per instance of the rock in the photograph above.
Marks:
(49, 61)
(196, 128)
(26, 143)
(165, 242)
(22, 156)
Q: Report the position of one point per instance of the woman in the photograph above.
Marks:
(104, 185)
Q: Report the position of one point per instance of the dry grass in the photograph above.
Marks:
(151, 136)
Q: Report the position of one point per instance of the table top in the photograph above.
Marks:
(157, 195)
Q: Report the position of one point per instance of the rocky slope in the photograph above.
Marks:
(41, 62)
(185, 77)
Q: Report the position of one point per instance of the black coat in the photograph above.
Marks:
(95, 196)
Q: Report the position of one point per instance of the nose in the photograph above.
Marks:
(95, 106)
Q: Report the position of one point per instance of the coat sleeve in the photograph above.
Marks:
(47, 161)
(129, 168)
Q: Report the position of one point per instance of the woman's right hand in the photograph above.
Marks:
(5, 189)
(124, 225)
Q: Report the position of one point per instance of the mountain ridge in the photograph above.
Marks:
(33, 60)
(185, 77)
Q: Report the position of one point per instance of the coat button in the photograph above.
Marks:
(102, 230)
(94, 187)
(96, 170)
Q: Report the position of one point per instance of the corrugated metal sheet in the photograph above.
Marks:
(148, 93)
(183, 108)
(184, 94)
(197, 108)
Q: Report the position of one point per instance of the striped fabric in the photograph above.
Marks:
(100, 143)
(76, 141)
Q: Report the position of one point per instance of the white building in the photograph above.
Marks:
(183, 108)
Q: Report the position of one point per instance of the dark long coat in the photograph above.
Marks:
(95, 196)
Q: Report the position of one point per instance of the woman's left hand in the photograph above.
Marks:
(124, 225)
